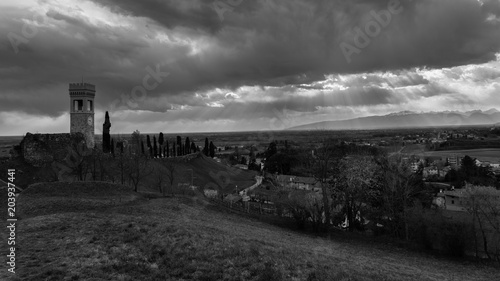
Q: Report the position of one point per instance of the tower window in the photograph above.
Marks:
(78, 105)
(89, 105)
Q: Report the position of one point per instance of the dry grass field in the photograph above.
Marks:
(187, 239)
(484, 154)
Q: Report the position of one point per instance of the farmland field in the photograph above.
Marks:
(484, 154)
(6, 143)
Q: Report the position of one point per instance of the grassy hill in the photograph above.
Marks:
(203, 171)
(189, 239)
(59, 197)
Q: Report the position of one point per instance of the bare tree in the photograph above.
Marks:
(136, 141)
(138, 168)
(122, 166)
(399, 187)
(160, 179)
(75, 162)
(92, 161)
(325, 160)
(170, 173)
(353, 185)
(293, 202)
(483, 203)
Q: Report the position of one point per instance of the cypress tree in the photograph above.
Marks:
(148, 141)
(187, 146)
(160, 139)
(212, 149)
(179, 143)
(206, 148)
(168, 150)
(155, 148)
(193, 147)
(106, 144)
(160, 145)
(142, 147)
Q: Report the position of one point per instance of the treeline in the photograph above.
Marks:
(459, 144)
(251, 160)
(157, 147)
(469, 172)
(285, 158)
(154, 147)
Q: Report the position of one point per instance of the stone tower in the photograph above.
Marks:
(82, 110)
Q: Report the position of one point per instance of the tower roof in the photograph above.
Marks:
(81, 87)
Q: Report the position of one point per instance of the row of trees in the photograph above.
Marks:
(157, 148)
(162, 148)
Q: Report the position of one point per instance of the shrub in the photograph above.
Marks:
(270, 272)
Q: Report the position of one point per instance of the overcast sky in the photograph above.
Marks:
(233, 65)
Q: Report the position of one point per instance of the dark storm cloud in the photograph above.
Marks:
(195, 14)
(259, 43)
(277, 42)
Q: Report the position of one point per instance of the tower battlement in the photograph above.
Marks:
(81, 87)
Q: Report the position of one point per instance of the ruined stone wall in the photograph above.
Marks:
(42, 149)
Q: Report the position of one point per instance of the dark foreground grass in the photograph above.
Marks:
(58, 197)
(182, 239)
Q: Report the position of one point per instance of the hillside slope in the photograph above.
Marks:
(204, 171)
(188, 239)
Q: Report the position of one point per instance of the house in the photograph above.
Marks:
(210, 193)
(455, 200)
(454, 161)
(439, 200)
(299, 183)
(233, 198)
(435, 171)
(430, 171)
(305, 183)
(241, 166)
(444, 171)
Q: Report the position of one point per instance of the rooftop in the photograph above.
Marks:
(82, 86)
(456, 193)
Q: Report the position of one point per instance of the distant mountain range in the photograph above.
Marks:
(409, 119)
